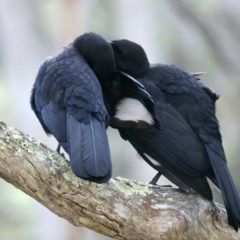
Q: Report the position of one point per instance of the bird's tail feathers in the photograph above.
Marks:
(89, 150)
(228, 189)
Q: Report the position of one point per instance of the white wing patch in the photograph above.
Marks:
(130, 109)
(154, 162)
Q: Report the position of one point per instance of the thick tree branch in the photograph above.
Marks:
(121, 209)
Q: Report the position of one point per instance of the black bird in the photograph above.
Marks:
(190, 144)
(67, 99)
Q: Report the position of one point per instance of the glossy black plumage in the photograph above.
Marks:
(189, 145)
(67, 99)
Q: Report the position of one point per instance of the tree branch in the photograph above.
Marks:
(121, 209)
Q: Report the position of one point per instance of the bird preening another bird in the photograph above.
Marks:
(164, 112)
(68, 98)
(189, 147)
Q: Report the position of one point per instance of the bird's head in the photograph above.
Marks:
(130, 57)
(98, 53)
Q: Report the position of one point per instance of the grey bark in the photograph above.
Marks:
(122, 209)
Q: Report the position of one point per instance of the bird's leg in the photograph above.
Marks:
(58, 150)
(156, 178)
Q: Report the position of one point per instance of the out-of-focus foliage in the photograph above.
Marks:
(197, 36)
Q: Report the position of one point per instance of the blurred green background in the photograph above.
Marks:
(197, 36)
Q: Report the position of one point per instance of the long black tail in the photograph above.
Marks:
(229, 191)
(89, 150)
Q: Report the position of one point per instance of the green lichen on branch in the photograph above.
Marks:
(129, 187)
(9, 134)
(71, 177)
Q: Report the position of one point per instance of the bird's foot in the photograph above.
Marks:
(58, 150)
(155, 179)
(154, 182)
(161, 186)
(62, 155)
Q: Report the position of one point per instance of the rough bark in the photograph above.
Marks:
(122, 209)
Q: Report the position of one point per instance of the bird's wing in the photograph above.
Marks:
(36, 100)
(176, 148)
(135, 107)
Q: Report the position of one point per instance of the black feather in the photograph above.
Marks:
(225, 182)
(88, 148)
